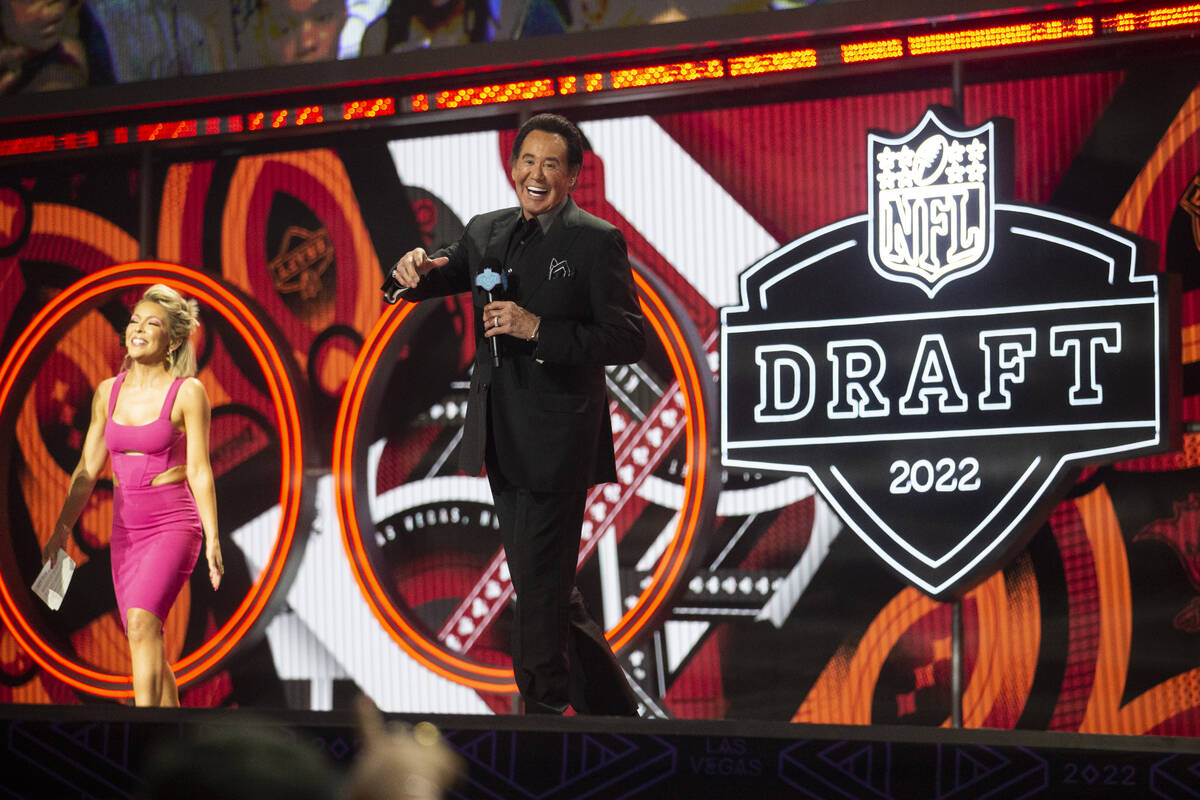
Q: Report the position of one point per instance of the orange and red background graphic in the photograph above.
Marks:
(726, 595)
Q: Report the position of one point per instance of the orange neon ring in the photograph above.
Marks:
(34, 339)
(701, 484)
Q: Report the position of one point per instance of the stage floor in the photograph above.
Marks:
(99, 751)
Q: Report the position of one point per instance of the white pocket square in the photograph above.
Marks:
(559, 269)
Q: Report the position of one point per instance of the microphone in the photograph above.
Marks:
(392, 289)
(491, 277)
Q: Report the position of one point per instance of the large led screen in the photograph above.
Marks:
(727, 594)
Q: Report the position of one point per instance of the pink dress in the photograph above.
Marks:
(156, 532)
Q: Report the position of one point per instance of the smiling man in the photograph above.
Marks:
(537, 411)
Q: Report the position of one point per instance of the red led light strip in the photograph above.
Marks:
(871, 51)
(1066, 28)
(772, 62)
(167, 130)
(667, 73)
(1149, 20)
(367, 109)
(496, 93)
(1001, 36)
(48, 143)
(310, 115)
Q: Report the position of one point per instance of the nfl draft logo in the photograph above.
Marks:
(931, 200)
(940, 366)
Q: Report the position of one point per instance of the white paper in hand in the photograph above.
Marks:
(52, 582)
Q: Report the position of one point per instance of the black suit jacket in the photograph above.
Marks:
(548, 404)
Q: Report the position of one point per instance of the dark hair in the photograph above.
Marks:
(552, 123)
(253, 759)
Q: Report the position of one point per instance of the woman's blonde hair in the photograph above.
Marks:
(183, 318)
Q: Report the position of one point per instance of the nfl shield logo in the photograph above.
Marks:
(942, 426)
(932, 199)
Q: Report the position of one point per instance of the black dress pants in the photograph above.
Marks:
(559, 652)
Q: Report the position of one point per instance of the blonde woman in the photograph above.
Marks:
(153, 419)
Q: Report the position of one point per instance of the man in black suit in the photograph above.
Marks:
(539, 417)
